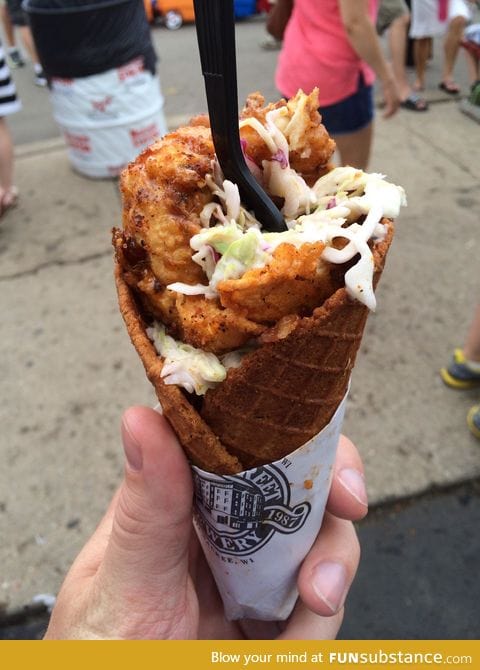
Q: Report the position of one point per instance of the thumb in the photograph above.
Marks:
(147, 554)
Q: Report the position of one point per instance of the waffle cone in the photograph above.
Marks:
(286, 392)
(198, 440)
(283, 394)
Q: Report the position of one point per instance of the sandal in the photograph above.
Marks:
(449, 87)
(8, 199)
(415, 103)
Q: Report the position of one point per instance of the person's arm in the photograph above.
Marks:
(363, 38)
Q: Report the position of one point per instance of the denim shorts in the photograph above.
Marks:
(17, 16)
(350, 114)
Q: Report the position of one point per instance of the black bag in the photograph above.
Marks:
(78, 38)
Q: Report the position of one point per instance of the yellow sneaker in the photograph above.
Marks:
(473, 420)
(458, 375)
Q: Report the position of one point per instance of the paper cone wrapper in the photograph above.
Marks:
(256, 527)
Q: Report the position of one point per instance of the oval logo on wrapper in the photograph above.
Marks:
(240, 513)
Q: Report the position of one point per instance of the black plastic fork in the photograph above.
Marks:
(215, 24)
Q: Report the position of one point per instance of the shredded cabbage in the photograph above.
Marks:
(192, 369)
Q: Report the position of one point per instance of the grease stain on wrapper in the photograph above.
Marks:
(256, 527)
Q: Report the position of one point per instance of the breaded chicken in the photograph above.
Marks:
(203, 323)
(164, 192)
(311, 147)
(207, 325)
(294, 282)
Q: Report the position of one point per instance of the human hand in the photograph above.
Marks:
(142, 574)
(391, 97)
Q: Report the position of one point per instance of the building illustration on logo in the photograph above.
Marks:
(240, 513)
(233, 504)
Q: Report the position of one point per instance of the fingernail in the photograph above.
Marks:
(330, 584)
(353, 481)
(131, 447)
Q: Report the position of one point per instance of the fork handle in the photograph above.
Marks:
(216, 43)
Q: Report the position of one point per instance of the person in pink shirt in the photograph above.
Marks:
(334, 45)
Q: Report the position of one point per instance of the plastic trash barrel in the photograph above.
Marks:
(109, 118)
(78, 38)
(105, 95)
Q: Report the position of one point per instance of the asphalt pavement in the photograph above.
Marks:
(68, 369)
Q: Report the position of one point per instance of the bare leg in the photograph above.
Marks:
(6, 164)
(7, 27)
(397, 40)
(473, 67)
(421, 49)
(451, 46)
(28, 43)
(430, 48)
(27, 39)
(471, 348)
(354, 148)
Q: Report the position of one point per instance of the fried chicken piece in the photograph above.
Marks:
(295, 281)
(311, 148)
(200, 120)
(206, 325)
(256, 108)
(254, 146)
(193, 319)
(164, 192)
